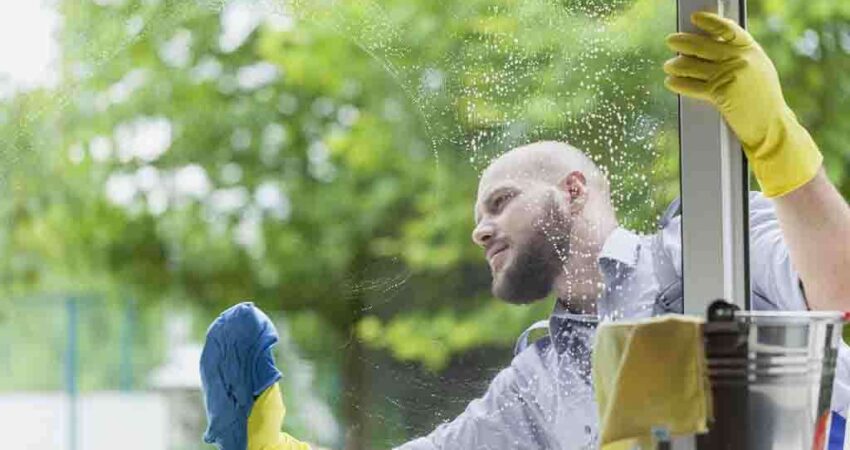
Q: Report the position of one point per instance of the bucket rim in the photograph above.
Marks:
(836, 316)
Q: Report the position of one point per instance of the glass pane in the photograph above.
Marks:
(328, 161)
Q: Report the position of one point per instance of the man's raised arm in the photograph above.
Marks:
(815, 223)
(727, 68)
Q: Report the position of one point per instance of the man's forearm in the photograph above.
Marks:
(815, 222)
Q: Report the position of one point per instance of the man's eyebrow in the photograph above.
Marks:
(510, 189)
(488, 198)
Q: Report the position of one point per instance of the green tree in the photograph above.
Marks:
(323, 160)
(325, 165)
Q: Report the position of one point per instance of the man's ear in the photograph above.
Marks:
(574, 187)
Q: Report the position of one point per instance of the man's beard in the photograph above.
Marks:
(535, 266)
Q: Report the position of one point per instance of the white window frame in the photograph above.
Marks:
(714, 192)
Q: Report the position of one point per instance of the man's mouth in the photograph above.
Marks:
(495, 256)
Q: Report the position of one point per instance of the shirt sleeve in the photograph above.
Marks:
(774, 281)
(502, 418)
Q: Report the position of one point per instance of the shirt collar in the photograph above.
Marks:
(571, 333)
(622, 247)
(569, 329)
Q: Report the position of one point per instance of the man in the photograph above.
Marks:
(545, 220)
(546, 223)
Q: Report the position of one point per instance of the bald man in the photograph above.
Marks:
(542, 214)
(545, 220)
(546, 223)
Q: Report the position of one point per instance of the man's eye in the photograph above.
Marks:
(500, 201)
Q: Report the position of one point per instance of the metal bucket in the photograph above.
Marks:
(771, 378)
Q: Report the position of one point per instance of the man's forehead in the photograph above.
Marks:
(513, 165)
(494, 180)
(512, 169)
(497, 186)
(538, 161)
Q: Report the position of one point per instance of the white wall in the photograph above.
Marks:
(106, 421)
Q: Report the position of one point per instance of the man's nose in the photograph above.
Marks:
(483, 233)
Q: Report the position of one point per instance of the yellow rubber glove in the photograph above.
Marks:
(264, 424)
(730, 70)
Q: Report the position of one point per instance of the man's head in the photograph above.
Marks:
(528, 202)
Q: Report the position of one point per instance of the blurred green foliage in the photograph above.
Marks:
(325, 164)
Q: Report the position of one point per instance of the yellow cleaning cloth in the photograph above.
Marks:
(647, 374)
(265, 421)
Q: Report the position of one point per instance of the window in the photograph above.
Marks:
(321, 159)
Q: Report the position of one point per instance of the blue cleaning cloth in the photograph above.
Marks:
(237, 365)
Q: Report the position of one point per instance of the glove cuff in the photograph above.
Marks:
(787, 160)
(265, 421)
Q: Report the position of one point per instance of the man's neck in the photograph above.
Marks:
(581, 283)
